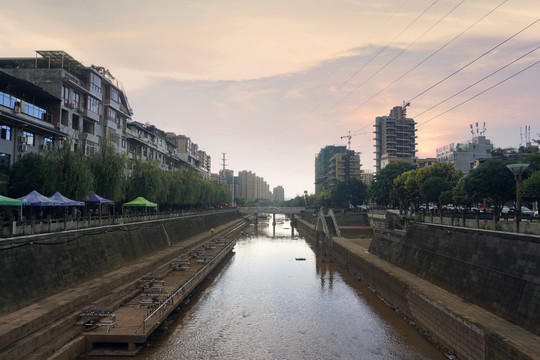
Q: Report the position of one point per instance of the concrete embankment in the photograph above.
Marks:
(92, 267)
(450, 321)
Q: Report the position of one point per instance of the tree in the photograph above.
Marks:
(432, 188)
(109, 170)
(407, 190)
(146, 180)
(349, 191)
(382, 189)
(27, 174)
(67, 172)
(530, 188)
(491, 181)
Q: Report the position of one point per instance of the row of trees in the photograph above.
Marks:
(402, 185)
(110, 175)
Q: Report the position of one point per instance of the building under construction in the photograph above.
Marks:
(395, 138)
(333, 164)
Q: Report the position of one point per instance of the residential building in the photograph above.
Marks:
(279, 193)
(189, 153)
(465, 155)
(27, 119)
(146, 142)
(252, 187)
(395, 138)
(93, 108)
(333, 164)
(422, 163)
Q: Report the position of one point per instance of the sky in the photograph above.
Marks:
(269, 84)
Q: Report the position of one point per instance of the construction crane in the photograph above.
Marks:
(349, 141)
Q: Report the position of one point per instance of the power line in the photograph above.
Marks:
(480, 93)
(427, 58)
(377, 54)
(476, 59)
(479, 81)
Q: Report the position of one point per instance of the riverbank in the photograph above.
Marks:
(452, 323)
(46, 325)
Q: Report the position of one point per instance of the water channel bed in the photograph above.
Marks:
(266, 304)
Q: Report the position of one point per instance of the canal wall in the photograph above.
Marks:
(453, 323)
(497, 271)
(34, 267)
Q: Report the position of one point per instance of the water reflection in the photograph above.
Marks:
(264, 304)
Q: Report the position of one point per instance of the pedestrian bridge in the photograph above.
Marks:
(269, 210)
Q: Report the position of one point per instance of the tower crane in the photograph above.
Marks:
(349, 136)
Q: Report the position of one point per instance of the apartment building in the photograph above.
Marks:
(395, 138)
(93, 107)
(188, 152)
(252, 187)
(28, 115)
(279, 193)
(333, 164)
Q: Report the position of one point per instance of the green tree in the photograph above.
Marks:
(432, 188)
(67, 172)
(490, 181)
(146, 180)
(349, 191)
(407, 190)
(109, 169)
(27, 174)
(530, 188)
(382, 189)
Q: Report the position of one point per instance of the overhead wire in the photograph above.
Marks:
(477, 82)
(480, 93)
(375, 56)
(428, 57)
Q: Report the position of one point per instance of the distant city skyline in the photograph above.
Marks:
(271, 84)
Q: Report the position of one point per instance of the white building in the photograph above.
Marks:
(464, 155)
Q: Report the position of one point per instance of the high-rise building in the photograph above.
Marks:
(279, 193)
(465, 155)
(395, 138)
(333, 164)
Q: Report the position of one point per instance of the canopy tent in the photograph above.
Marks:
(64, 201)
(95, 199)
(6, 201)
(36, 199)
(140, 202)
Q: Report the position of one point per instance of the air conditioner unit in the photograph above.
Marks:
(23, 147)
(17, 109)
(57, 126)
(71, 105)
(23, 139)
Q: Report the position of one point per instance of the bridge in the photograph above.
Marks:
(270, 210)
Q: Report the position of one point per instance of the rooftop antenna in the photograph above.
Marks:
(224, 164)
(349, 137)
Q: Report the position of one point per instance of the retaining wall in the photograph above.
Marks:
(497, 271)
(37, 266)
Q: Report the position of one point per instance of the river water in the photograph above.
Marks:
(265, 304)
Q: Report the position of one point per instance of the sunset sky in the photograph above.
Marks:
(271, 83)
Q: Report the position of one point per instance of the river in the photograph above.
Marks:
(263, 303)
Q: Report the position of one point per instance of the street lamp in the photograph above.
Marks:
(517, 170)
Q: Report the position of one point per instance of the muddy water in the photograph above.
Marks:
(266, 304)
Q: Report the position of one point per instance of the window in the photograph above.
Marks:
(48, 142)
(93, 104)
(5, 132)
(75, 122)
(30, 137)
(115, 95)
(76, 100)
(95, 82)
(65, 95)
(35, 111)
(5, 160)
(88, 127)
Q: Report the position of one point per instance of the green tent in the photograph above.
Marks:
(5, 201)
(140, 202)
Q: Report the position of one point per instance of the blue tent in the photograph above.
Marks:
(36, 199)
(93, 198)
(64, 200)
